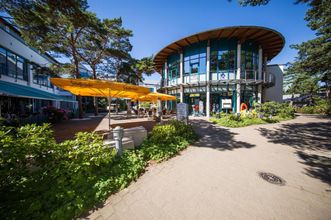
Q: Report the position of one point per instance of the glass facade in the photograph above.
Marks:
(195, 60)
(223, 59)
(39, 77)
(173, 71)
(249, 61)
(13, 65)
(223, 68)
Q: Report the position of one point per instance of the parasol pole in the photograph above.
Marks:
(109, 105)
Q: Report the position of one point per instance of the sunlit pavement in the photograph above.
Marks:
(217, 177)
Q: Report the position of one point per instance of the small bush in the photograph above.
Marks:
(321, 106)
(259, 115)
(41, 179)
(167, 140)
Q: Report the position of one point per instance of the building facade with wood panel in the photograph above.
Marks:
(222, 65)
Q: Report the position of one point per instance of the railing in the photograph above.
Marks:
(249, 75)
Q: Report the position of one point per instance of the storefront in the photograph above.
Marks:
(219, 70)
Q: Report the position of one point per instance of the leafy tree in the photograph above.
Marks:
(108, 39)
(314, 56)
(53, 25)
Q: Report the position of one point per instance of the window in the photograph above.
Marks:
(11, 64)
(195, 64)
(39, 77)
(194, 68)
(232, 60)
(20, 68)
(173, 70)
(3, 60)
(213, 62)
(222, 61)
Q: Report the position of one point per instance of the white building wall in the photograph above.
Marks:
(11, 43)
(15, 44)
(275, 93)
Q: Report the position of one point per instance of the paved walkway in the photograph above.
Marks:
(67, 129)
(217, 178)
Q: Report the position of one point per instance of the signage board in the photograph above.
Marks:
(195, 95)
(226, 103)
(182, 112)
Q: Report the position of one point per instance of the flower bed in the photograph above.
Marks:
(269, 112)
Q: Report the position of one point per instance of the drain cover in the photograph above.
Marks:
(272, 178)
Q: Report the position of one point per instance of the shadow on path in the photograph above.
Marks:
(317, 166)
(306, 139)
(308, 136)
(216, 137)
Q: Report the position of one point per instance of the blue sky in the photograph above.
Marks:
(157, 23)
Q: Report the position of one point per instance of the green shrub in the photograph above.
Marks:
(321, 106)
(278, 111)
(41, 179)
(167, 140)
(283, 110)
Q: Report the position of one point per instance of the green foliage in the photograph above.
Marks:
(167, 140)
(41, 179)
(282, 110)
(253, 2)
(321, 106)
(260, 115)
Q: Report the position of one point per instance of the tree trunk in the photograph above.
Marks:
(95, 99)
(129, 107)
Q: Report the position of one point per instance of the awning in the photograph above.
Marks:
(17, 90)
(154, 96)
(100, 88)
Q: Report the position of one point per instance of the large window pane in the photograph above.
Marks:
(186, 67)
(232, 60)
(20, 68)
(249, 60)
(194, 68)
(11, 64)
(3, 61)
(223, 61)
(213, 62)
(202, 65)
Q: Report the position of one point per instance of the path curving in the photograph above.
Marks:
(217, 177)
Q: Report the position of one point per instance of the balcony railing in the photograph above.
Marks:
(249, 75)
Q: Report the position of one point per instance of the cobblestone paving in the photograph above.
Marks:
(217, 177)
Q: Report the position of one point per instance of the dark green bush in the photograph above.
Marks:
(41, 179)
(167, 140)
(321, 106)
(283, 110)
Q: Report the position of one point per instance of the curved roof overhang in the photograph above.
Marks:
(270, 40)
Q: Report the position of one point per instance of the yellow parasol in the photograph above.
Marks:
(155, 96)
(101, 88)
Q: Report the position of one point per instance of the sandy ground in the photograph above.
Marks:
(217, 177)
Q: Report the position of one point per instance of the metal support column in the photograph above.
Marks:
(238, 76)
(208, 81)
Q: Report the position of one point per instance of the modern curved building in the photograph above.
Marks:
(221, 68)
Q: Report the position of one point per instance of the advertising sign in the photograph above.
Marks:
(226, 103)
(182, 112)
